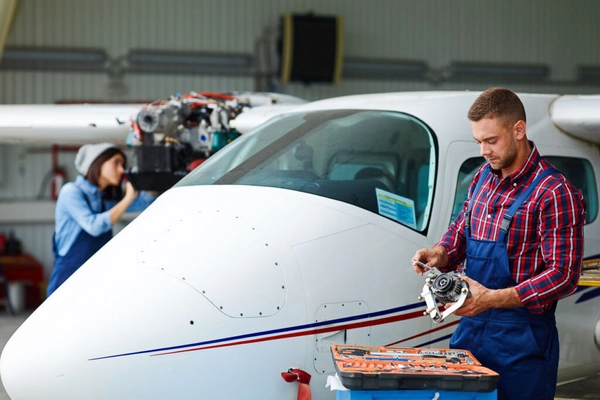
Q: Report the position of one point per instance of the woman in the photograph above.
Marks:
(87, 209)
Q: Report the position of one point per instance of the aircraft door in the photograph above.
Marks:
(462, 161)
(323, 360)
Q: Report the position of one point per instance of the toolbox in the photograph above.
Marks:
(413, 395)
(374, 368)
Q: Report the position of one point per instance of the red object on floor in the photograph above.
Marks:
(25, 268)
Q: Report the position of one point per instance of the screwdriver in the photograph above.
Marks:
(420, 264)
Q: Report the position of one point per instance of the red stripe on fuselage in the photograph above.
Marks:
(403, 317)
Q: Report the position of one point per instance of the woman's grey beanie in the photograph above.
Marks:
(88, 153)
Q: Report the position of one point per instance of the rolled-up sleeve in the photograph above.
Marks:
(143, 200)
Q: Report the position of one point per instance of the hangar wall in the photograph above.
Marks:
(560, 34)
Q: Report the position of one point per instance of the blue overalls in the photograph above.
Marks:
(82, 249)
(522, 347)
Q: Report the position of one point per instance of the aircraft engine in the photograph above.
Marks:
(170, 137)
(163, 118)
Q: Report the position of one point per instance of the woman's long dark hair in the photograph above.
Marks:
(110, 192)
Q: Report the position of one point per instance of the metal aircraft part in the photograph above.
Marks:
(578, 116)
(170, 136)
(446, 288)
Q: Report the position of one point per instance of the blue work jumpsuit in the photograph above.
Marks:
(84, 247)
(76, 201)
(522, 347)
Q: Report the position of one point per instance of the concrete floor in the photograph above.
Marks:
(8, 325)
(587, 389)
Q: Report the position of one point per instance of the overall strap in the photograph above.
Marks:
(482, 177)
(508, 216)
(87, 200)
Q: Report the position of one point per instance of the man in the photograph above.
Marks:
(521, 234)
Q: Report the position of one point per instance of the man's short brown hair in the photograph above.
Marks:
(498, 103)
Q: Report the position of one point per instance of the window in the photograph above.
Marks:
(465, 177)
(580, 172)
(381, 161)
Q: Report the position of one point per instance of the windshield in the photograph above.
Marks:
(382, 161)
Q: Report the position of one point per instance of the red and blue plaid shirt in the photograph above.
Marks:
(545, 238)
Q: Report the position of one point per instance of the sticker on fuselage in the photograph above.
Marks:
(401, 209)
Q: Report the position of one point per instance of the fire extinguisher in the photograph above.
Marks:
(59, 176)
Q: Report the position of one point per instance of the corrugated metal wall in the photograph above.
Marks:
(561, 34)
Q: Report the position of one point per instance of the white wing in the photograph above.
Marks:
(66, 123)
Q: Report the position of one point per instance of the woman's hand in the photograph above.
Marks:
(131, 193)
(121, 207)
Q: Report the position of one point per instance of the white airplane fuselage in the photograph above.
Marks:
(216, 289)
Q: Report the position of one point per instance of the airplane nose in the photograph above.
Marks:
(201, 269)
(148, 291)
(51, 356)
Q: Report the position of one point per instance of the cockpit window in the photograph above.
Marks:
(381, 161)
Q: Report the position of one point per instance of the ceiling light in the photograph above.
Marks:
(588, 73)
(468, 70)
(379, 69)
(53, 58)
(188, 62)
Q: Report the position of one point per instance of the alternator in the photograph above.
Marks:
(446, 288)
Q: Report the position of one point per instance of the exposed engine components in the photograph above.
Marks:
(445, 288)
(172, 135)
(163, 118)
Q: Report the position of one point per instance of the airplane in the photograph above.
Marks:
(292, 238)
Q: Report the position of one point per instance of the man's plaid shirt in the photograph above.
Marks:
(545, 238)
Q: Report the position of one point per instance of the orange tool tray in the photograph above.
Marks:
(378, 368)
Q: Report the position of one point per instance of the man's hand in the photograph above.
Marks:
(475, 303)
(482, 299)
(435, 257)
